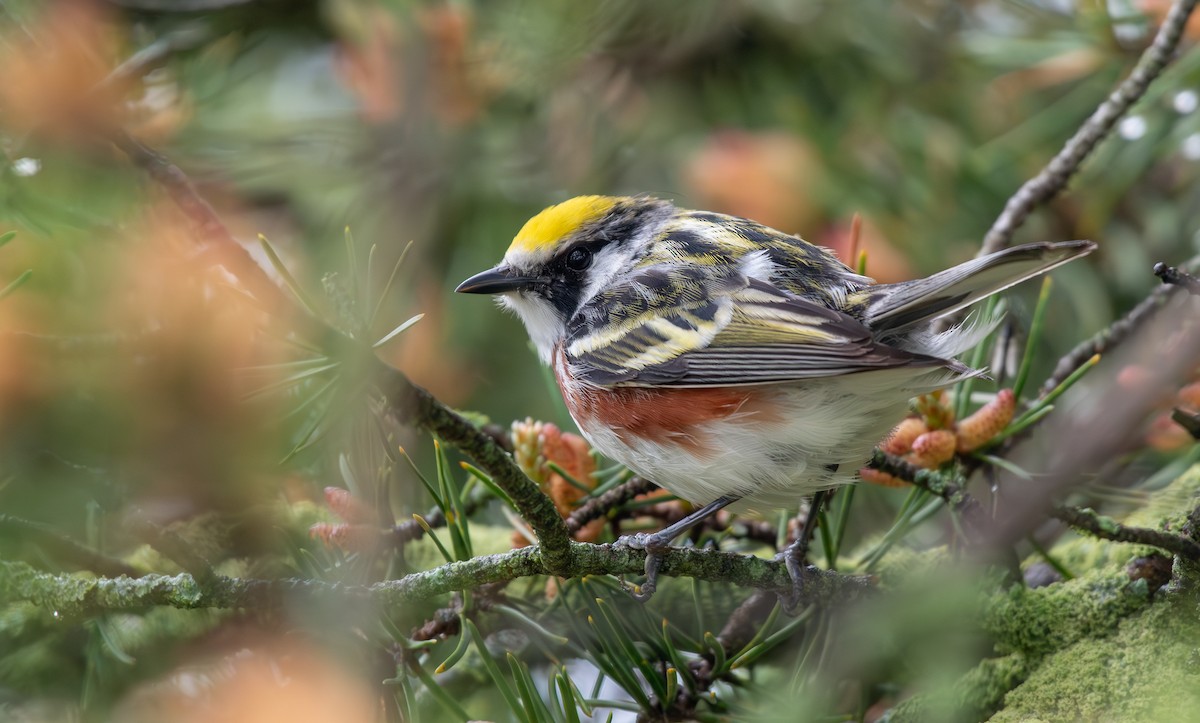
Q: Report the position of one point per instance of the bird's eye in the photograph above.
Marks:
(579, 259)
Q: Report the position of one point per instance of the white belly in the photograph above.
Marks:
(820, 425)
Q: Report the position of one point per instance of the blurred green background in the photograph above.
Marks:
(450, 124)
(447, 125)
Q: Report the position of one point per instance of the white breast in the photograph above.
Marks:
(824, 424)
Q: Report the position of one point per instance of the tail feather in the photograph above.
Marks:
(894, 307)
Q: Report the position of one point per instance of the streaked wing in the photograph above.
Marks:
(745, 333)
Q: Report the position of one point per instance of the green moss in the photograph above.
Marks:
(1171, 504)
(1080, 553)
(974, 696)
(1041, 621)
(1148, 670)
(1107, 653)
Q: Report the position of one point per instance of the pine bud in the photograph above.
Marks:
(988, 421)
(901, 439)
(932, 449)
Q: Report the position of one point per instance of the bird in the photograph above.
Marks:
(732, 364)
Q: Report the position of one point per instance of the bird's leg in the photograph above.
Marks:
(657, 543)
(797, 553)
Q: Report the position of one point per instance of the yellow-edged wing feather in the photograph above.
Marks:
(719, 331)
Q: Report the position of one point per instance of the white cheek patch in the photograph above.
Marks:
(607, 264)
(540, 319)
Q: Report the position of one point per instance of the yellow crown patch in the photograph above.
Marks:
(551, 225)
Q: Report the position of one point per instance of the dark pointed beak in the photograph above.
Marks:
(495, 281)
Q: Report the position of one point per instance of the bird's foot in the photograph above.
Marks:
(655, 546)
(796, 554)
(795, 561)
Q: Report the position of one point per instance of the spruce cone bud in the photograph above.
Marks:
(932, 449)
(979, 428)
(901, 439)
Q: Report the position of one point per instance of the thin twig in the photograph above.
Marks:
(946, 485)
(1107, 339)
(1054, 177)
(743, 623)
(149, 58)
(409, 403)
(1188, 420)
(1109, 529)
(740, 628)
(598, 507)
(1177, 277)
(209, 227)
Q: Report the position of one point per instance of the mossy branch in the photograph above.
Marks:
(82, 597)
(947, 485)
(1107, 528)
(411, 404)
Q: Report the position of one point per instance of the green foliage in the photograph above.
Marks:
(166, 439)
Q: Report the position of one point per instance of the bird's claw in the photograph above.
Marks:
(655, 547)
(790, 600)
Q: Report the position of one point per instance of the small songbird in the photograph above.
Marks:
(730, 363)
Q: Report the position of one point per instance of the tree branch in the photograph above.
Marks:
(947, 486)
(1107, 528)
(1054, 177)
(1106, 339)
(1188, 420)
(1177, 277)
(73, 596)
(598, 507)
(409, 403)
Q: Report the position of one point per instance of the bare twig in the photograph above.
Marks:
(1109, 529)
(743, 623)
(1188, 420)
(1177, 277)
(598, 507)
(1108, 338)
(152, 56)
(1054, 177)
(209, 227)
